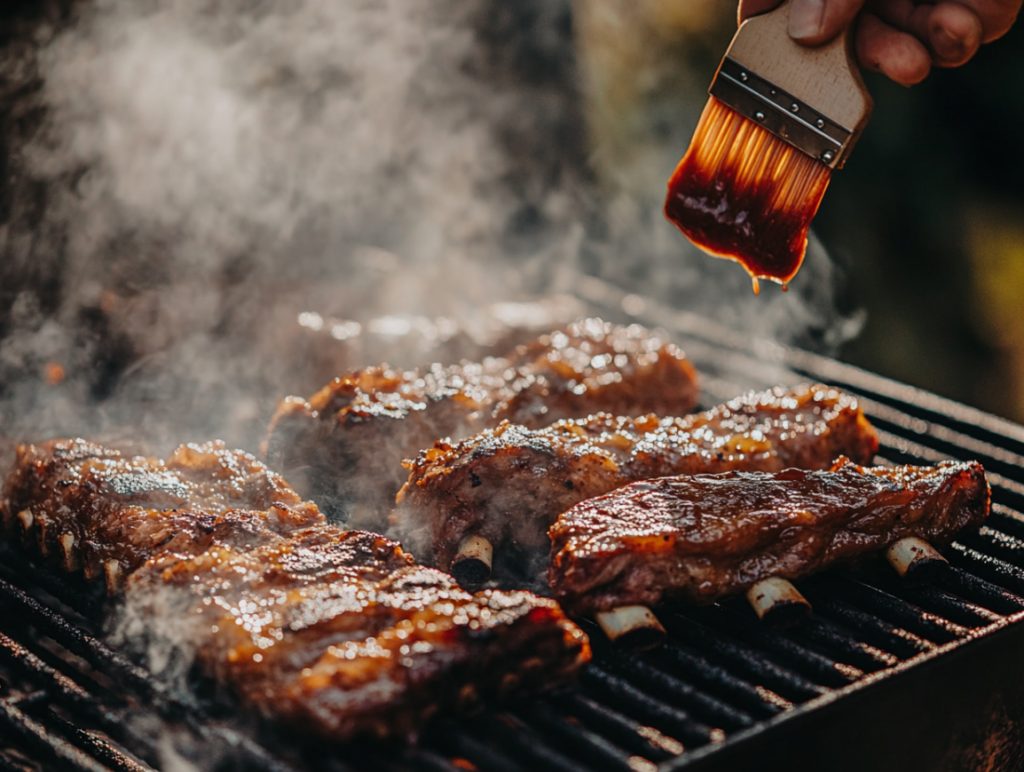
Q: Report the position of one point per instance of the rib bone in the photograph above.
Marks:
(472, 564)
(633, 626)
(71, 560)
(777, 602)
(112, 572)
(915, 560)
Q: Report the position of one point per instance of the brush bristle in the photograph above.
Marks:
(742, 193)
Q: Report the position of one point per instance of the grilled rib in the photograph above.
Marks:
(510, 484)
(346, 444)
(697, 539)
(336, 631)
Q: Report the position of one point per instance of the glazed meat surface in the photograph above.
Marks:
(698, 539)
(510, 484)
(346, 444)
(338, 632)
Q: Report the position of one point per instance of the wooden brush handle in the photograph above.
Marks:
(826, 77)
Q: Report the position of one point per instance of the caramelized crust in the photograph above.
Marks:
(346, 444)
(510, 484)
(336, 631)
(697, 539)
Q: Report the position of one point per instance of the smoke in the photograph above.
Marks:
(195, 175)
(207, 171)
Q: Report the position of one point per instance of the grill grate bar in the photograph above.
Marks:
(31, 666)
(827, 635)
(635, 702)
(1007, 520)
(885, 636)
(991, 568)
(752, 663)
(590, 746)
(929, 627)
(461, 744)
(738, 691)
(136, 680)
(949, 606)
(100, 749)
(75, 640)
(46, 743)
(977, 590)
(996, 544)
(944, 439)
(524, 744)
(672, 689)
(809, 663)
(620, 729)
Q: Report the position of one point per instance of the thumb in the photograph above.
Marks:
(813, 22)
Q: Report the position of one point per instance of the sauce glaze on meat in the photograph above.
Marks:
(698, 539)
(335, 631)
(346, 443)
(510, 484)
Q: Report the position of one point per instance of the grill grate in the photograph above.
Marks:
(67, 701)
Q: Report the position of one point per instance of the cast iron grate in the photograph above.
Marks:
(67, 701)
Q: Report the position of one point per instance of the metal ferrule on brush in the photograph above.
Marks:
(781, 113)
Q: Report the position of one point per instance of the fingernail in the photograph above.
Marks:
(806, 18)
(947, 46)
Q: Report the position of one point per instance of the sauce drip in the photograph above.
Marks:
(743, 194)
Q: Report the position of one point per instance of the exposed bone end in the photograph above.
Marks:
(777, 602)
(114, 577)
(42, 535)
(633, 626)
(26, 519)
(90, 567)
(472, 564)
(69, 553)
(916, 560)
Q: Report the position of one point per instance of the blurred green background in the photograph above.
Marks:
(926, 222)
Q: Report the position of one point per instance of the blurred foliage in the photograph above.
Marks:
(909, 220)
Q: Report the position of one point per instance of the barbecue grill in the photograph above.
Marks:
(880, 676)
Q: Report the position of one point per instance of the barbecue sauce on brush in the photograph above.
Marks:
(743, 194)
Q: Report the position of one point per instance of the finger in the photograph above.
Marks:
(951, 31)
(892, 52)
(954, 34)
(997, 16)
(813, 22)
(750, 8)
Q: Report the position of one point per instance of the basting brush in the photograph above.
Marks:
(781, 117)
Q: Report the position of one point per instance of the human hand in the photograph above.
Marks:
(901, 39)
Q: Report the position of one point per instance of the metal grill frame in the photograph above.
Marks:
(880, 676)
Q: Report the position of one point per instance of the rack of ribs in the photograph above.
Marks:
(336, 631)
(697, 539)
(346, 444)
(509, 485)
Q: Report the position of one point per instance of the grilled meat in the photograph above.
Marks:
(347, 443)
(510, 484)
(336, 631)
(699, 538)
